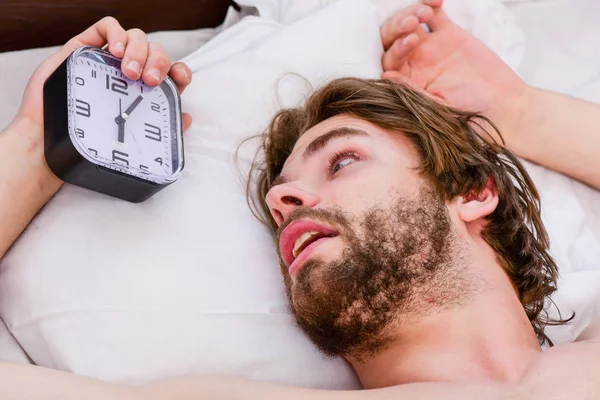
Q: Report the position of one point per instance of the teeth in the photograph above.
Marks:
(300, 241)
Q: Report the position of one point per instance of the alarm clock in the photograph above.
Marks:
(109, 134)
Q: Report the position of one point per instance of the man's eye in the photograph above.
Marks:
(341, 160)
(342, 164)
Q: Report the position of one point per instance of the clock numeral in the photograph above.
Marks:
(93, 151)
(80, 133)
(159, 160)
(144, 168)
(79, 81)
(120, 156)
(153, 132)
(155, 107)
(118, 85)
(83, 108)
(93, 74)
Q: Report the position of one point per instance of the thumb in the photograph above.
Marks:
(440, 20)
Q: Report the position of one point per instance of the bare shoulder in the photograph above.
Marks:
(568, 371)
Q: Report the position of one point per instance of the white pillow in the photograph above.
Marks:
(489, 20)
(10, 351)
(188, 281)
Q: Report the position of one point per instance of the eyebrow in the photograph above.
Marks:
(319, 144)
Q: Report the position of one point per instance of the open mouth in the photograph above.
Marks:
(299, 236)
(305, 240)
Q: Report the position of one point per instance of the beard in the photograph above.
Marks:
(397, 262)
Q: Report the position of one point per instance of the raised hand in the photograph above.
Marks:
(449, 63)
(140, 59)
(26, 181)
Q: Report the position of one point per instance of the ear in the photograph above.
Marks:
(474, 205)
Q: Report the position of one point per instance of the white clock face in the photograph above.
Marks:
(121, 124)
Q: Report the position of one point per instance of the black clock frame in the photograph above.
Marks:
(68, 164)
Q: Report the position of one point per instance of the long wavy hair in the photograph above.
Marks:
(457, 155)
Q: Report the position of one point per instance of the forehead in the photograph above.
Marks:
(375, 133)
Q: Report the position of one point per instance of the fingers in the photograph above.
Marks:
(433, 3)
(107, 30)
(409, 20)
(157, 65)
(440, 19)
(147, 60)
(113, 33)
(135, 55)
(140, 58)
(394, 58)
(406, 21)
(186, 120)
(181, 75)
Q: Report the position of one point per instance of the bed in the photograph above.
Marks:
(80, 291)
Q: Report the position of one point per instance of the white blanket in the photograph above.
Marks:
(562, 39)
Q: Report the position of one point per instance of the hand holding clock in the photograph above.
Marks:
(141, 58)
(26, 182)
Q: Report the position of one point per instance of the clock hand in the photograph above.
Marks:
(122, 117)
(119, 118)
(133, 106)
(121, 123)
(121, 137)
(122, 120)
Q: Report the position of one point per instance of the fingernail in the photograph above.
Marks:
(155, 73)
(120, 46)
(135, 67)
(403, 23)
(421, 11)
(405, 41)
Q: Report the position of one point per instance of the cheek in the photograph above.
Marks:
(350, 196)
(359, 191)
(372, 183)
(457, 222)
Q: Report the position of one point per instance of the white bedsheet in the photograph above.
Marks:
(562, 53)
(10, 351)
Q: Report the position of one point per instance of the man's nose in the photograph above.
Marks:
(285, 198)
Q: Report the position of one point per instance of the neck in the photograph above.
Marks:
(488, 338)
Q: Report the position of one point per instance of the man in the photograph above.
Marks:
(379, 182)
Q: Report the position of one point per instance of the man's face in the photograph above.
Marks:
(363, 239)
